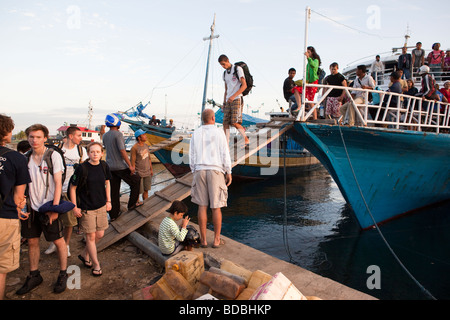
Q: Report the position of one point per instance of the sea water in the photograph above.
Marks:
(319, 232)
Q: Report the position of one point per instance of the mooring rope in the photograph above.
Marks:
(285, 226)
(376, 225)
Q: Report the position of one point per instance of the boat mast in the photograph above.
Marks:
(210, 38)
(301, 114)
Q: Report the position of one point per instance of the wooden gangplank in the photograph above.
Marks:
(160, 201)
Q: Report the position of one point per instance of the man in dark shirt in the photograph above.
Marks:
(289, 85)
(14, 177)
(336, 96)
(405, 63)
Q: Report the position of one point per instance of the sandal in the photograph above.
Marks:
(87, 264)
(98, 274)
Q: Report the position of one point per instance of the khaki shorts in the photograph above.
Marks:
(94, 220)
(209, 187)
(9, 245)
(146, 184)
(68, 219)
(232, 112)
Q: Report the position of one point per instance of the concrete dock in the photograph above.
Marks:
(309, 283)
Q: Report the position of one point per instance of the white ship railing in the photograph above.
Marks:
(408, 113)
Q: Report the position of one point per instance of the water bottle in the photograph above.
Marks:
(24, 211)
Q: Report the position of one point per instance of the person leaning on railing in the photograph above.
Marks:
(362, 81)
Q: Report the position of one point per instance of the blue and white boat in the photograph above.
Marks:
(395, 158)
(391, 165)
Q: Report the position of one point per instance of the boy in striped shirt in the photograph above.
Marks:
(170, 237)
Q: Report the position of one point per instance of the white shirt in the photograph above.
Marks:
(38, 174)
(359, 83)
(72, 157)
(233, 83)
(377, 66)
(209, 150)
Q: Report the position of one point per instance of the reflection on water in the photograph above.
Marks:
(321, 234)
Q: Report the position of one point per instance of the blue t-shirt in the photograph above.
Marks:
(13, 172)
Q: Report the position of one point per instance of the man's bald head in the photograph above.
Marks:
(208, 116)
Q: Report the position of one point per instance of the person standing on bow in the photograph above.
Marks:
(312, 75)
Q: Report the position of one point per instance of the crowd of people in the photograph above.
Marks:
(431, 68)
(51, 189)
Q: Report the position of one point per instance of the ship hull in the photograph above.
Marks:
(393, 172)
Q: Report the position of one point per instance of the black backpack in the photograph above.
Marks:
(248, 76)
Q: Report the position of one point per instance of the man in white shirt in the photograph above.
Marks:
(362, 81)
(377, 69)
(210, 162)
(235, 85)
(45, 186)
(74, 154)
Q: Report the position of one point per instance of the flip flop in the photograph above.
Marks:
(221, 243)
(87, 264)
(98, 274)
(203, 246)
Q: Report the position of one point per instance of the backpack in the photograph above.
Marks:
(48, 159)
(321, 74)
(79, 148)
(2, 153)
(247, 75)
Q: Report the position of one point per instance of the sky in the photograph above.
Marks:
(56, 57)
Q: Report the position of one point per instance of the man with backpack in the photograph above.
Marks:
(74, 154)
(47, 169)
(235, 85)
(14, 177)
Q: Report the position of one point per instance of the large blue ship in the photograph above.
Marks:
(382, 173)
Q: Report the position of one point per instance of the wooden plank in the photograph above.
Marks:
(187, 184)
(163, 196)
(143, 211)
(259, 147)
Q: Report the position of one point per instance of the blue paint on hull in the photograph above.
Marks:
(398, 171)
